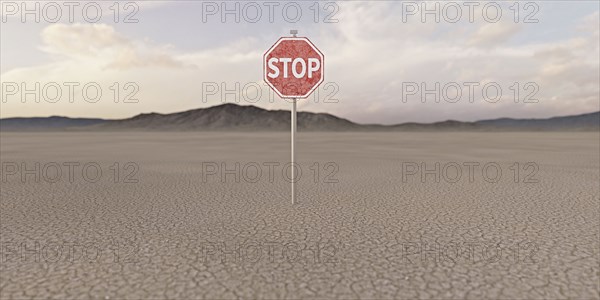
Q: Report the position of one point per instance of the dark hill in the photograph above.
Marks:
(232, 117)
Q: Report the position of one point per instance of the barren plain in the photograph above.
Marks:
(378, 216)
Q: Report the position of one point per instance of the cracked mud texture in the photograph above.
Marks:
(372, 235)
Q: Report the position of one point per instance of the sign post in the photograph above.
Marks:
(293, 169)
(293, 138)
(293, 68)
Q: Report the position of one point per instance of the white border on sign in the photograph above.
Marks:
(314, 48)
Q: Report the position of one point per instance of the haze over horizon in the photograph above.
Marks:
(283, 109)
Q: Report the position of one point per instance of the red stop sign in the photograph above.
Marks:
(293, 67)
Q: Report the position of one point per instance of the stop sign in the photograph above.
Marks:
(293, 67)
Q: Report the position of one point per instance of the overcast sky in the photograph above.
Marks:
(373, 51)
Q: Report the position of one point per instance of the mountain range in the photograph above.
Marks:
(233, 117)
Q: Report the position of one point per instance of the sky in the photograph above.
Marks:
(382, 60)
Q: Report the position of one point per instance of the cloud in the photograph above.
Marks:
(101, 43)
(565, 70)
(493, 34)
(369, 54)
(14, 10)
(81, 39)
(591, 23)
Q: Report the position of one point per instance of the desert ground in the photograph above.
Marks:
(169, 216)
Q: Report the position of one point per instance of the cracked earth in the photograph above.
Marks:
(175, 224)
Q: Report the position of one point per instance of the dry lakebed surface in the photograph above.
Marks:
(405, 215)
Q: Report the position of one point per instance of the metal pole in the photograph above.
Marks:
(293, 169)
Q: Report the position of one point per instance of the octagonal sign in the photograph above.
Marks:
(293, 67)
